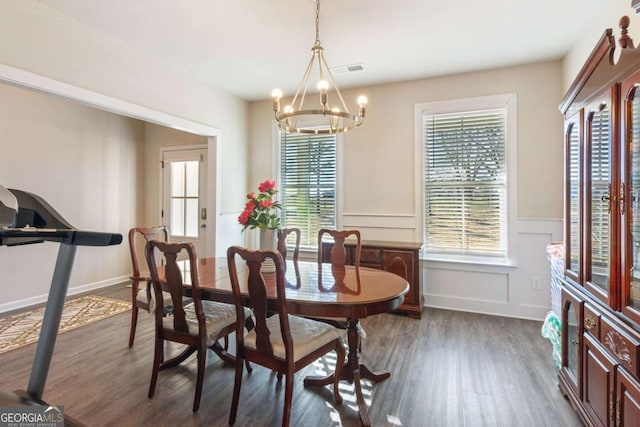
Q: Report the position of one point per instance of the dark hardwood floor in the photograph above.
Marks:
(448, 369)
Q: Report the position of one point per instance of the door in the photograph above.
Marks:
(184, 193)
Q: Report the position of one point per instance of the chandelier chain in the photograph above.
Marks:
(317, 23)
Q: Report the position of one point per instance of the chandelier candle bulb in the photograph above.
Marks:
(276, 94)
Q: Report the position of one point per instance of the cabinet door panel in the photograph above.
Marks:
(599, 196)
(572, 314)
(598, 383)
(628, 400)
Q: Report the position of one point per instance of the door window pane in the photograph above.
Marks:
(191, 218)
(177, 217)
(191, 177)
(177, 179)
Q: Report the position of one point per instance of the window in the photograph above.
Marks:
(308, 184)
(465, 177)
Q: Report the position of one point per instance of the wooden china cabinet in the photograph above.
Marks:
(600, 372)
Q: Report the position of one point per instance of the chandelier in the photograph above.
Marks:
(322, 118)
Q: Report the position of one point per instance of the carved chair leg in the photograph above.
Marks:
(134, 322)
(236, 392)
(202, 359)
(288, 395)
(157, 360)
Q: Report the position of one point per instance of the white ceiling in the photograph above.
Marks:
(247, 47)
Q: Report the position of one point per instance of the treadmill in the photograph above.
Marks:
(26, 218)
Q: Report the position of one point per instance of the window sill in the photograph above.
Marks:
(469, 260)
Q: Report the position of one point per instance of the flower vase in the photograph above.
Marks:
(268, 240)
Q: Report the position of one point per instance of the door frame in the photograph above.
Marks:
(203, 176)
(211, 178)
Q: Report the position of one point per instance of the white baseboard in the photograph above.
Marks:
(39, 299)
(493, 308)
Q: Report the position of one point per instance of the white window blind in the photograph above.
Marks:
(308, 184)
(465, 183)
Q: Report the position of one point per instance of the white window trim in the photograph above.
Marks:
(508, 101)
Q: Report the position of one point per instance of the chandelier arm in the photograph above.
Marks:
(304, 82)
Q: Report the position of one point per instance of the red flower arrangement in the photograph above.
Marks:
(260, 211)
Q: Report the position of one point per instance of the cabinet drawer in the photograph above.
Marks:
(621, 345)
(592, 321)
(371, 257)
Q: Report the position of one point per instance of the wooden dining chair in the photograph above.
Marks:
(141, 293)
(281, 342)
(338, 254)
(339, 258)
(283, 234)
(199, 324)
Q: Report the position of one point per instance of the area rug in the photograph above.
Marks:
(20, 329)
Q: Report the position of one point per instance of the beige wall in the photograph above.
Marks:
(88, 165)
(379, 176)
(43, 41)
(44, 46)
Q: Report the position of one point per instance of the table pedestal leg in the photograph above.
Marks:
(353, 371)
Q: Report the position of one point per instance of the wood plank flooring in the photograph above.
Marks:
(448, 369)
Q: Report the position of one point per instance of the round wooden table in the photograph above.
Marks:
(348, 293)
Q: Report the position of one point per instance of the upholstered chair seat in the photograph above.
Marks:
(141, 297)
(307, 336)
(218, 316)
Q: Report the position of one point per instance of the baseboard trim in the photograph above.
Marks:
(39, 299)
(527, 312)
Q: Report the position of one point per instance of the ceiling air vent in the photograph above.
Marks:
(347, 69)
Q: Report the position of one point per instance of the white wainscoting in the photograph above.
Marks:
(498, 290)
(228, 233)
(503, 290)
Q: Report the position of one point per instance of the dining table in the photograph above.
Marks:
(318, 290)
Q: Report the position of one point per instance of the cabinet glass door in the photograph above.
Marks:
(599, 199)
(573, 196)
(630, 205)
(570, 371)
